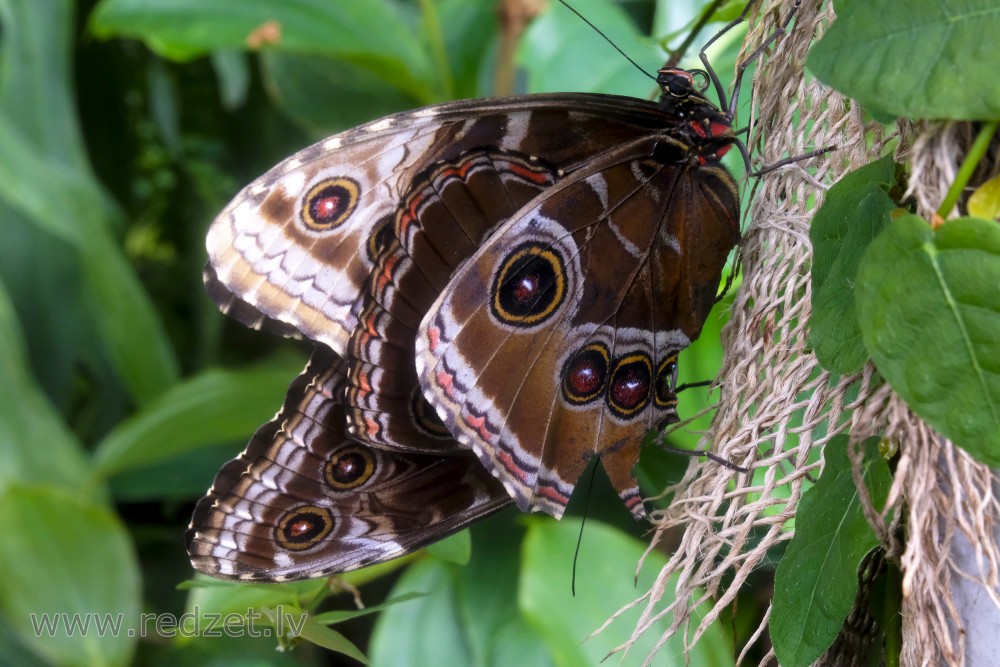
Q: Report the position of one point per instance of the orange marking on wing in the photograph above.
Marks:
(550, 492)
(385, 276)
(478, 424)
(445, 380)
(409, 216)
(366, 385)
(370, 325)
(528, 174)
(371, 427)
(434, 337)
(508, 462)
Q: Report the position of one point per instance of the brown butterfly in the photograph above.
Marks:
(512, 278)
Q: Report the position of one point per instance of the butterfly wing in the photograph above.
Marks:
(296, 246)
(557, 341)
(304, 501)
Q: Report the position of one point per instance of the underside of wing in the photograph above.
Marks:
(298, 244)
(558, 340)
(304, 501)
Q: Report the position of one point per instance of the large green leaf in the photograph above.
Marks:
(560, 52)
(44, 176)
(35, 445)
(920, 59)
(605, 570)
(66, 561)
(372, 34)
(326, 96)
(853, 213)
(214, 406)
(469, 617)
(929, 307)
(817, 579)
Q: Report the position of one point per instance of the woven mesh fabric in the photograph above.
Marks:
(778, 407)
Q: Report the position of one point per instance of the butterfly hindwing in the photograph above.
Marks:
(305, 501)
(558, 340)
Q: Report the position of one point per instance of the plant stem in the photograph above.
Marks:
(972, 159)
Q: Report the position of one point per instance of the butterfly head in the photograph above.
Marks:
(682, 88)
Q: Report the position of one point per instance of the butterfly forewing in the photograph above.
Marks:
(295, 244)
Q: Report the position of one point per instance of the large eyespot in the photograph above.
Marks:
(585, 374)
(329, 203)
(530, 285)
(303, 527)
(629, 388)
(665, 388)
(425, 417)
(349, 467)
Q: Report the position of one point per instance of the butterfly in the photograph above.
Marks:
(498, 291)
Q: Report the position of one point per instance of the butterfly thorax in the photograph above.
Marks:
(705, 128)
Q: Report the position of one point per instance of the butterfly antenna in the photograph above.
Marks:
(583, 522)
(606, 38)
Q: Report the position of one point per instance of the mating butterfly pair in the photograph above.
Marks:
(498, 290)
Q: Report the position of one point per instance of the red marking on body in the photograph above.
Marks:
(445, 380)
(478, 424)
(433, 338)
(718, 129)
(722, 151)
(698, 129)
(511, 466)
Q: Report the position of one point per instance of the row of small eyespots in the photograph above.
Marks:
(627, 381)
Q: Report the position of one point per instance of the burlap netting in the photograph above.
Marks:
(779, 407)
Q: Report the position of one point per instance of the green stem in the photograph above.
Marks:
(972, 159)
(892, 619)
(432, 27)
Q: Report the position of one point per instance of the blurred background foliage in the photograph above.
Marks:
(125, 126)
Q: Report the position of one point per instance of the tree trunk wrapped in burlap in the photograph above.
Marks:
(778, 407)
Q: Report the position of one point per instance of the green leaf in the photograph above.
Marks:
(605, 582)
(35, 445)
(559, 52)
(455, 549)
(212, 407)
(817, 579)
(401, 635)
(326, 96)
(339, 616)
(331, 640)
(70, 561)
(45, 177)
(985, 201)
(471, 611)
(371, 34)
(929, 310)
(920, 59)
(854, 211)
